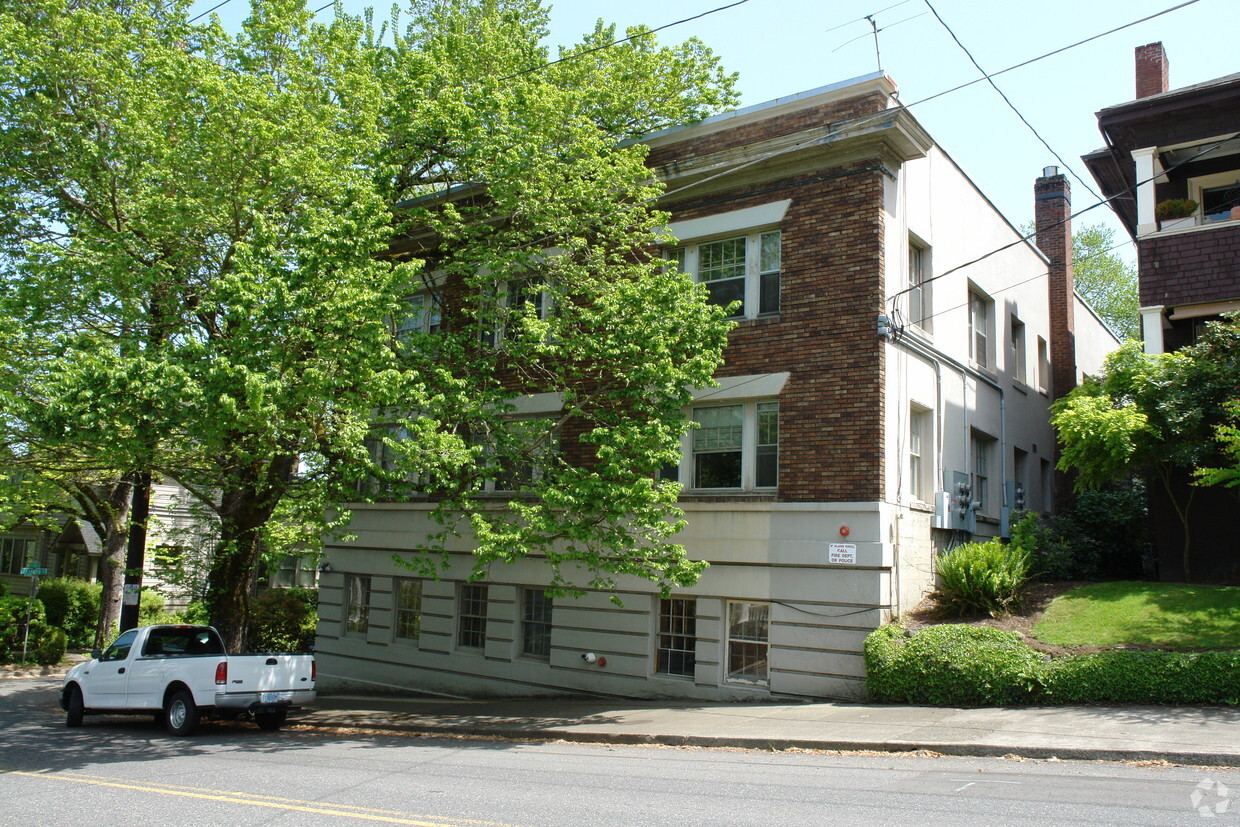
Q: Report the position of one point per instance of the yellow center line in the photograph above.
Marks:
(231, 797)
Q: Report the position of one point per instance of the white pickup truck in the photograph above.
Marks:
(182, 674)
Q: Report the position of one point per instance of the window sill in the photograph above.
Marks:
(919, 505)
(985, 371)
(728, 496)
(1018, 385)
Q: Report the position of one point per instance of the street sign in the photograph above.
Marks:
(34, 571)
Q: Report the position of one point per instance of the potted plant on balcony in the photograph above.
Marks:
(1175, 212)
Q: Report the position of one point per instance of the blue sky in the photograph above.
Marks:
(784, 46)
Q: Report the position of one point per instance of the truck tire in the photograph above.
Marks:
(270, 721)
(180, 713)
(75, 708)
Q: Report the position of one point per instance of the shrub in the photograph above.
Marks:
(284, 620)
(1102, 536)
(13, 624)
(1174, 208)
(978, 666)
(151, 609)
(50, 645)
(950, 665)
(981, 578)
(72, 605)
(1127, 676)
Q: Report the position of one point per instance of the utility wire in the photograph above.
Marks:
(1007, 100)
(577, 55)
(1025, 238)
(866, 17)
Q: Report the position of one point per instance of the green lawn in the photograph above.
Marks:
(1171, 615)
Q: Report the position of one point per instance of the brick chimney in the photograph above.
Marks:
(1153, 77)
(1052, 210)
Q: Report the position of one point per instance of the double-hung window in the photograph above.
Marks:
(980, 476)
(14, 554)
(741, 272)
(536, 609)
(408, 593)
(919, 312)
(677, 650)
(919, 440)
(528, 449)
(422, 315)
(736, 446)
(357, 603)
(749, 642)
(471, 629)
(981, 328)
(1019, 357)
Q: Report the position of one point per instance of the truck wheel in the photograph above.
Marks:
(75, 708)
(180, 713)
(270, 720)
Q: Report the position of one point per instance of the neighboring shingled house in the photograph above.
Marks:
(1179, 144)
(885, 394)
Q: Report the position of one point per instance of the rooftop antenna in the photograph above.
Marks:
(877, 57)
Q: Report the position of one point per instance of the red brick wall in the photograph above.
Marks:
(1190, 267)
(1153, 71)
(831, 409)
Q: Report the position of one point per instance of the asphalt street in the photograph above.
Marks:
(118, 770)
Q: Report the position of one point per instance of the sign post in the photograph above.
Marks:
(33, 571)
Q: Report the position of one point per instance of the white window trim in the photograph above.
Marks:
(728, 640)
(987, 362)
(752, 292)
(1020, 348)
(921, 486)
(924, 288)
(1206, 182)
(749, 449)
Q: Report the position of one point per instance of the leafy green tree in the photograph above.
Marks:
(1170, 415)
(1106, 280)
(198, 233)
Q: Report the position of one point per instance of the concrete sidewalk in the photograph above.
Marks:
(1181, 735)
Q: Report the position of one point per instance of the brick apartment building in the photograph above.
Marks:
(873, 372)
(1183, 144)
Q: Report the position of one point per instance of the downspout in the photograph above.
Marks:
(933, 353)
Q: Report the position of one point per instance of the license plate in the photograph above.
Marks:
(269, 698)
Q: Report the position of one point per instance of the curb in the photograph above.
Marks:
(1186, 757)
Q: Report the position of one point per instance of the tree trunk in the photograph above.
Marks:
(1184, 513)
(109, 517)
(244, 512)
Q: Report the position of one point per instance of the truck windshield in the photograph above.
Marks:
(172, 640)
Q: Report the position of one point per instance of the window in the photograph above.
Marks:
(119, 650)
(737, 446)
(424, 315)
(472, 622)
(529, 448)
(536, 623)
(981, 319)
(15, 553)
(677, 650)
(919, 312)
(744, 269)
(1044, 366)
(357, 603)
(748, 642)
(979, 479)
(408, 604)
(918, 440)
(1018, 350)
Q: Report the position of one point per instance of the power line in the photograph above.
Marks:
(577, 55)
(1025, 238)
(1008, 101)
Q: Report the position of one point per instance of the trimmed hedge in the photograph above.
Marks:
(953, 665)
(950, 665)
